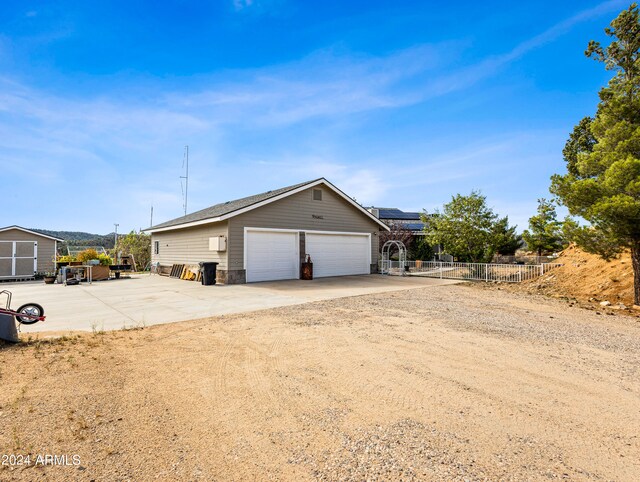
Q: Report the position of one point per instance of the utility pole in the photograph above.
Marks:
(115, 244)
(185, 160)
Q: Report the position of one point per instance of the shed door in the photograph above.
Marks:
(6, 259)
(338, 254)
(18, 259)
(271, 255)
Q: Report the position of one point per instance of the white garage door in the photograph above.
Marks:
(271, 255)
(338, 254)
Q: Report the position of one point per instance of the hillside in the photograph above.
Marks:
(81, 238)
(587, 278)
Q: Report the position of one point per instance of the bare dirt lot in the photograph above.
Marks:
(447, 383)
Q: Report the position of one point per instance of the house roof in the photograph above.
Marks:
(394, 213)
(414, 226)
(30, 231)
(226, 210)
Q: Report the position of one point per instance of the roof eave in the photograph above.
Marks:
(15, 226)
(264, 202)
(200, 222)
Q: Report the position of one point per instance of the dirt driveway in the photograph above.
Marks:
(444, 383)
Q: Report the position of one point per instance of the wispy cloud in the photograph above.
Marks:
(468, 76)
(552, 33)
(328, 84)
(242, 4)
(257, 7)
(320, 85)
(127, 151)
(366, 185)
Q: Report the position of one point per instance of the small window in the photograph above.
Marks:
(156, 247)
(317, 195)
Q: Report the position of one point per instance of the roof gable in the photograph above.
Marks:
(226, 210)
(30, 231)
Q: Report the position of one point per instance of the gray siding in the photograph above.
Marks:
(46, 247)
(190, 246)
(297, 212)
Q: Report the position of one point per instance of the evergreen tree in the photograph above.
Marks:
(602, 183)
(545, 233)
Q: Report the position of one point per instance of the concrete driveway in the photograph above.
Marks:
(144, 300)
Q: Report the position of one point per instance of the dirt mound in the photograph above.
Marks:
(587, 278)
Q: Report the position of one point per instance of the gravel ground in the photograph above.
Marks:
(448, 382)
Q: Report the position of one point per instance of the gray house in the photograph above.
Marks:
(24, 252)
(266, 236)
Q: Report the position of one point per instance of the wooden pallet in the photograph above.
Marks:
(176, 270)
(186, 272)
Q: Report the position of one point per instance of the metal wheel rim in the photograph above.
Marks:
(32, 310)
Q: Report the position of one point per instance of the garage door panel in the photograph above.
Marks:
(271, 255)
(338, 254)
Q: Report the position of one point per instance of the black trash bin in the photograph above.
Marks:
(208, 270)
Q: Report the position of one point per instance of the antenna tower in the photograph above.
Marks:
(185, 188)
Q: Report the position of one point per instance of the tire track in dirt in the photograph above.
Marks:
(253, 397)
(343, 381)
(531, 381)
(220, 381)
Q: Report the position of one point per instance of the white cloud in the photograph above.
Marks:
(258, 7)
(125, 154)
(242, 4)
(364, 184)
(328, 84)
(322, 85)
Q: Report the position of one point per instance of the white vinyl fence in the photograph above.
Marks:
(504, 259)
(510, 273)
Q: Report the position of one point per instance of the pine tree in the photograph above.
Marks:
(602, 184)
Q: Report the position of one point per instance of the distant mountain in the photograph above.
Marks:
(79, 238)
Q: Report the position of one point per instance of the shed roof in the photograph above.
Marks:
(30, 231)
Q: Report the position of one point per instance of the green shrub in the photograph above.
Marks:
(105, 259)
(137, 244)
(87, 254)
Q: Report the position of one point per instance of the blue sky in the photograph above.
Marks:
(400, 104)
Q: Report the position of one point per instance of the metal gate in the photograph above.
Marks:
(18, 259)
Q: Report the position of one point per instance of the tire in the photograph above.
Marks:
(30, 309)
